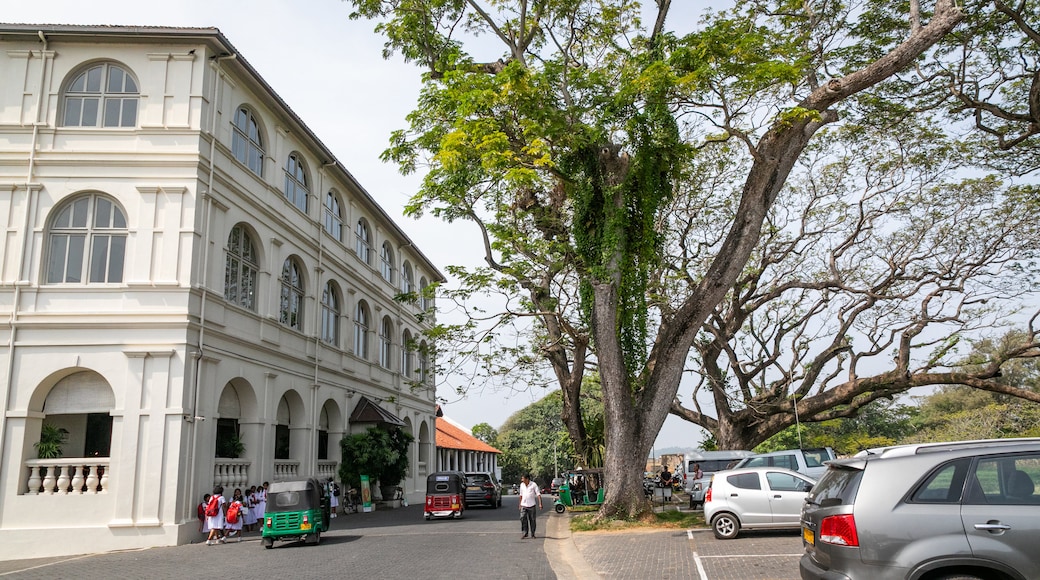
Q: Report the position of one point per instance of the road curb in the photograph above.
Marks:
(564, 557)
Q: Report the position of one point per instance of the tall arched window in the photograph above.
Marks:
(103, 95)
(241, 269)
(363, 242)
(330, 314)
(424, 363)
(247, 144)
(361, 330)
(424, 300)
(87, 235)
(406, 354)
(296, 189)
(290, 311)
(333, 216)
(407, 286)
(386, 257)
(386, 333)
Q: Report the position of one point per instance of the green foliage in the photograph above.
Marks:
(51, 440)
(382, 454)
(531, 436)
(879, 424)
(485, 433)
(232, 447)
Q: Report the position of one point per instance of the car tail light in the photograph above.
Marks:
(270, 522)
(707, 495)
(306, 520)
(840, 530)
(429, 501)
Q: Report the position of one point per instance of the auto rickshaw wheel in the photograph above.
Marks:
(268, 543)
(559, 508)
(314, 538)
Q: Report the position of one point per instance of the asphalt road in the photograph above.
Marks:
(484, 544)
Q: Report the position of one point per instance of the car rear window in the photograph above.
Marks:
(838, 486)
(477, 479)
(745, 481)
(943, 484)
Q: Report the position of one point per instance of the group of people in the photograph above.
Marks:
(231, 516)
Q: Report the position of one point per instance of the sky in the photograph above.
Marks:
(330, 70)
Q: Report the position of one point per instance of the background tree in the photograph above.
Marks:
(566, 151)
(381, 454)
(485, 433)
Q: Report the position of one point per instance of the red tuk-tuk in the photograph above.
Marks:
(445, 495)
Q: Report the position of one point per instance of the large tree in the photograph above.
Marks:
(876, 268)
(567, 144)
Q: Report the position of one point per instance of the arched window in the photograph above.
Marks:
(333, 216)
(290, 311)
(296, 189)
(241, 269)
(87, 235)
(246, 142)
(363, 242)
(407, 286)
(361, 330)
(386, 333)
(330, 314)
(386, 256)
(406, 354)
(424, 363)
(424, 300)
(103, 95)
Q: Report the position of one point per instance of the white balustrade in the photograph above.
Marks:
(230, 473)
(422, 471)
(326, 469)
(68, 475)
(286, 469)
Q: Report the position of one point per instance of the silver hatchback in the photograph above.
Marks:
(964, 510)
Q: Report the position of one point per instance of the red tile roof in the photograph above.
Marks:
(450, 436)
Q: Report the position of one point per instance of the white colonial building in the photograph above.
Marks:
(193, 290)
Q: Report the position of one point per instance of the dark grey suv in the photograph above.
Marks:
(483, 488)
(962, 510)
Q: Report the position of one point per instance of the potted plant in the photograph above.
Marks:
(230, 447)
(382, 454)
(51, 440)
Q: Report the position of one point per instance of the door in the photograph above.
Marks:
(1002, 517)
(786, 496)
(745, 494)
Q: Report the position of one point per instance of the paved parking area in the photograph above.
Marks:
(674, 554)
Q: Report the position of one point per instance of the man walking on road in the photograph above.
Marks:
(529, 495)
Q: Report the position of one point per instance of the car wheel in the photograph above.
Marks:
(559, 508)
(726, 526)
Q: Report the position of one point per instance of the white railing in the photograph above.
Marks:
(72, 475)
(286, 469)
(326, 469)
(422, 471)
(230, 473)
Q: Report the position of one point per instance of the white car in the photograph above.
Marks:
(755, 498)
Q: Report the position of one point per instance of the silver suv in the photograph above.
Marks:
(962, 510)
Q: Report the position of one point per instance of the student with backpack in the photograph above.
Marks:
(215, 516)
(235, 516)
(201, 512)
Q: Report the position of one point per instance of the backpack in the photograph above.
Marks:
(201, 510)
(213, 508)
(232, 513)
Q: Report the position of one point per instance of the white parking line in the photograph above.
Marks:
(699, 560)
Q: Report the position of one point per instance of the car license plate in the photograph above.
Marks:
(305, 526)
(808, 536)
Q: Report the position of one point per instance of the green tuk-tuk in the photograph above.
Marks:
(580, 487)
(296, 510)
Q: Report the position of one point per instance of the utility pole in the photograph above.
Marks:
(556, 463)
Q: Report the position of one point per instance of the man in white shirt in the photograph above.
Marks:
(529, 496)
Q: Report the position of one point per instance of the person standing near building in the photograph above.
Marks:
(529, 497)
